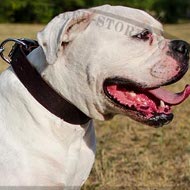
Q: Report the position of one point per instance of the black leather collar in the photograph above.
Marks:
(39, 89)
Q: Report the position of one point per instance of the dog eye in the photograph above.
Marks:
(145, 35)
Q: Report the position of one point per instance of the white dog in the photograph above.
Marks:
(104, 61)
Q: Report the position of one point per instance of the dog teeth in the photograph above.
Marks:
(132, 94)
(162, 104)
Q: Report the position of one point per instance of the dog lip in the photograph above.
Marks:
(126, 82)
(159, 120)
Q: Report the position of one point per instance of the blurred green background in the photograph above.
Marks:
(41, 11)
(129, 155)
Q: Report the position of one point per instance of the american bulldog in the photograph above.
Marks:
(105, 61)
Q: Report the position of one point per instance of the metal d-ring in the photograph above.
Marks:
(2, 48)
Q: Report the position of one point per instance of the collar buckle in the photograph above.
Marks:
(27, 44)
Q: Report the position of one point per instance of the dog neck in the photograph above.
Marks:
(43, 93)
(59, 76)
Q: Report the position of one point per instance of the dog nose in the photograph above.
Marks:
(181, 47)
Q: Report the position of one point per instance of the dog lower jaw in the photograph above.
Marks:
(160, 120)
(157, 120)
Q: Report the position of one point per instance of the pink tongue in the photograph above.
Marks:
(169, 97)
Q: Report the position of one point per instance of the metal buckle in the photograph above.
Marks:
(2, 48)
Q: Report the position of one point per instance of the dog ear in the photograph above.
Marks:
(62, 30)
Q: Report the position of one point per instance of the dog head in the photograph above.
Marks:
(113, 60)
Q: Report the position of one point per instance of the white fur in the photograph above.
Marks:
(36, 147)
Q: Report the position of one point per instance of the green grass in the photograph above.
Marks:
(131, 155)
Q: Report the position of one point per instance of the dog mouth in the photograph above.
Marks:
(149, 106)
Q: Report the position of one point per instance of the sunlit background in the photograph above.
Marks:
(129, 155)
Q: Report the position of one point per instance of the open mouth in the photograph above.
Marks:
(150, 106)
